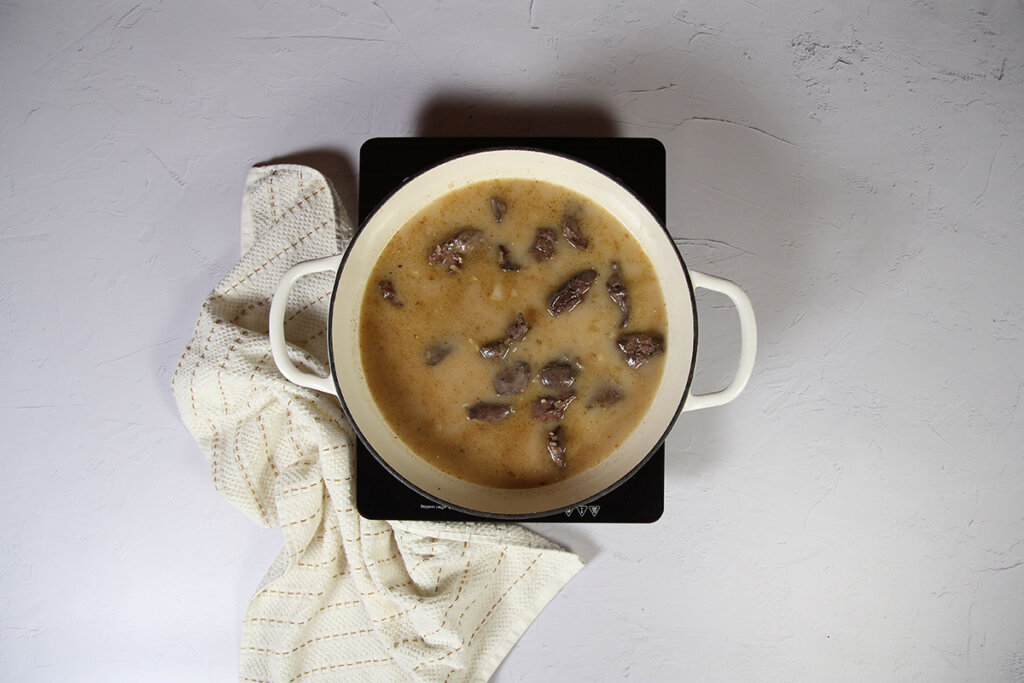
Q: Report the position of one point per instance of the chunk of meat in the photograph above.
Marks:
(504, 260)
(518, 329)
(498, 208)
(488, 412)
(495, 350)
(618, 292)
(640, 347)
(572, 293)
(607, 394)
(558, 375)
(573, 234)
(543, 247)
(452, 251)
(556, 446)
(512, 379)
(387, 290)
(437, 353)
(551, 408)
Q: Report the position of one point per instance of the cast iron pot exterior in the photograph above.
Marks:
(355, 267)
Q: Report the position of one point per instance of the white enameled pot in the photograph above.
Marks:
(354, 267)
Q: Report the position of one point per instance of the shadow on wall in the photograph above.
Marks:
(454, 115)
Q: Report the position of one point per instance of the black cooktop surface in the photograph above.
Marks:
(384, 165)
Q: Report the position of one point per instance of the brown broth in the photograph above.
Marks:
(426, 405)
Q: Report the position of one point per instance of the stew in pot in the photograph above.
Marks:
(513, 333)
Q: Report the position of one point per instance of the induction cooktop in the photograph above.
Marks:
(385, 164)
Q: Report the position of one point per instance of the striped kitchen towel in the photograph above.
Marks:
(348, 598)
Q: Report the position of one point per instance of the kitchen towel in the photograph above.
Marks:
(348, 598)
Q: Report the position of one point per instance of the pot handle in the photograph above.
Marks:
(748, 341)
(278, 306)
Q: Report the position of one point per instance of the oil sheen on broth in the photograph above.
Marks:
(447, 290)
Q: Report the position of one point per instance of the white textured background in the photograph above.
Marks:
(858, 167)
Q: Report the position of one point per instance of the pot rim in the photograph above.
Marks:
(430, 496)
